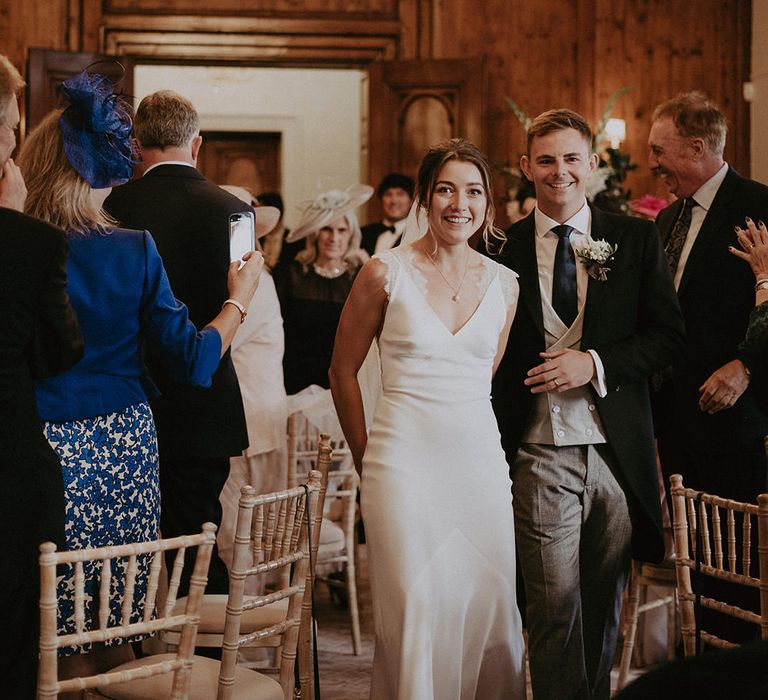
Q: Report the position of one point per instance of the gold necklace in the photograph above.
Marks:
(455, 290)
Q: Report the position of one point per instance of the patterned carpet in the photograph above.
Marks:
(344, 676)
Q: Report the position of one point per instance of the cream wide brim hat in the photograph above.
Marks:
(328, 207)
(266, 217)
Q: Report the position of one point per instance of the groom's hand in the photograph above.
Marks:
(724, 387)
(560, 371)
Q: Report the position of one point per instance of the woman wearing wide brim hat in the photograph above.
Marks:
(313, 289)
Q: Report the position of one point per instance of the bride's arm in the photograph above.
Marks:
(360, 321)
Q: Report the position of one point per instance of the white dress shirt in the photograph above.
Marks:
(703, 197)
(387, 239)
(546, 246)
(168, 162)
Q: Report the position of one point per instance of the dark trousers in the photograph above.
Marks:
(741, 475)
(19, 640)
(189, 492)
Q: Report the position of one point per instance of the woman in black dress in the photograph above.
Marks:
(312, 290)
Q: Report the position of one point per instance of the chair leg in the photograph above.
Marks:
(633, 601)
(671, 628)
(354, 615)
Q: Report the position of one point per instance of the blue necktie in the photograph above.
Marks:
(564, 295)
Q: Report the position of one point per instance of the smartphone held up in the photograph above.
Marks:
(241, 235)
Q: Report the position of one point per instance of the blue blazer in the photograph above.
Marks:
(123, 299)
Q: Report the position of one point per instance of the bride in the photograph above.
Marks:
(436, 496)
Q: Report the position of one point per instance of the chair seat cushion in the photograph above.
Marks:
(213, 614)
(331, 533)
(249, 685)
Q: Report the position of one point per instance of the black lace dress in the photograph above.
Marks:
(311, 306)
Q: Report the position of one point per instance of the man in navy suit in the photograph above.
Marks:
(39, 337)
(597, 317)
(709, 420)
(198, 429)
(710, 427)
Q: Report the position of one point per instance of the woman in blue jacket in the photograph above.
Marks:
(97, 416)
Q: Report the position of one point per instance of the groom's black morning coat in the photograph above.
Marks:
(633, 321)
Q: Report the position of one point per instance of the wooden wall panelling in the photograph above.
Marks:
(532, 56)
(24, 24)
(663, 48)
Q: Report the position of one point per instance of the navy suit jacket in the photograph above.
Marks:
(633, 321)
(716, 295)
(188, 217)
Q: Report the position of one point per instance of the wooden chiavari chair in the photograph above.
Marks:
(148, 669)
(337, 534)
(716, 535)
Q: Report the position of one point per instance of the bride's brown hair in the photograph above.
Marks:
(466, 151)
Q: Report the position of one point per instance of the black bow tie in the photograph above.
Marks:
(391, 229)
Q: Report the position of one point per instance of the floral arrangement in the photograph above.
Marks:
(595, 254)
(648, 206)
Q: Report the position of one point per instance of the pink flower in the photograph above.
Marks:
(648, 206)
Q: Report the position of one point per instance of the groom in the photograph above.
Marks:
(571, 400)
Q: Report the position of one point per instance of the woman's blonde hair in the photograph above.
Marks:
(355, 256)
(55, 192)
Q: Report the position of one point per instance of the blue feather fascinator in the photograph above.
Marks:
(96, 131)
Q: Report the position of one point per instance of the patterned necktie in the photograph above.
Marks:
(677, 236)
(564, 296)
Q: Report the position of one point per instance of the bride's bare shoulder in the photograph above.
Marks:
(373, 275)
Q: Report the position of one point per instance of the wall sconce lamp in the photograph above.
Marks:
(615, 131)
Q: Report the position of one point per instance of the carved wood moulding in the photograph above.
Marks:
(370, 9)
(243, 48)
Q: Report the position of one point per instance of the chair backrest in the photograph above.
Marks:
(50, 640)
(724, 532)
(271, 536)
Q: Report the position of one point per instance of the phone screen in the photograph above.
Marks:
(241, 235)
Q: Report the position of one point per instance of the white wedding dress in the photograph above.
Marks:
(437, 505)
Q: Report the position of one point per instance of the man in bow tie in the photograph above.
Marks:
(396, 194)
(710, 423)
(572, 404)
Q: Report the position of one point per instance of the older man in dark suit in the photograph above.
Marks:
(39, 337)
(709, 420)
(710, 426)
(198, 430)
(597, 316)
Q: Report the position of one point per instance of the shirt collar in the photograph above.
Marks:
(168, 162)
(581, 221)
(399, 226)
(705, 195)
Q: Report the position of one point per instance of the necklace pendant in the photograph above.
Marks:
(455, 297)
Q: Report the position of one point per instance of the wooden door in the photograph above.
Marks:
(416, 104)
(248, 159)
(47, 69)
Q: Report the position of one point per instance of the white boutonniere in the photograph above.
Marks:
(595, 256)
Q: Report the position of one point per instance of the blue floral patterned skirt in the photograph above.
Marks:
(111, 482)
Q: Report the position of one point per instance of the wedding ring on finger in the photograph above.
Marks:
(555, 382)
